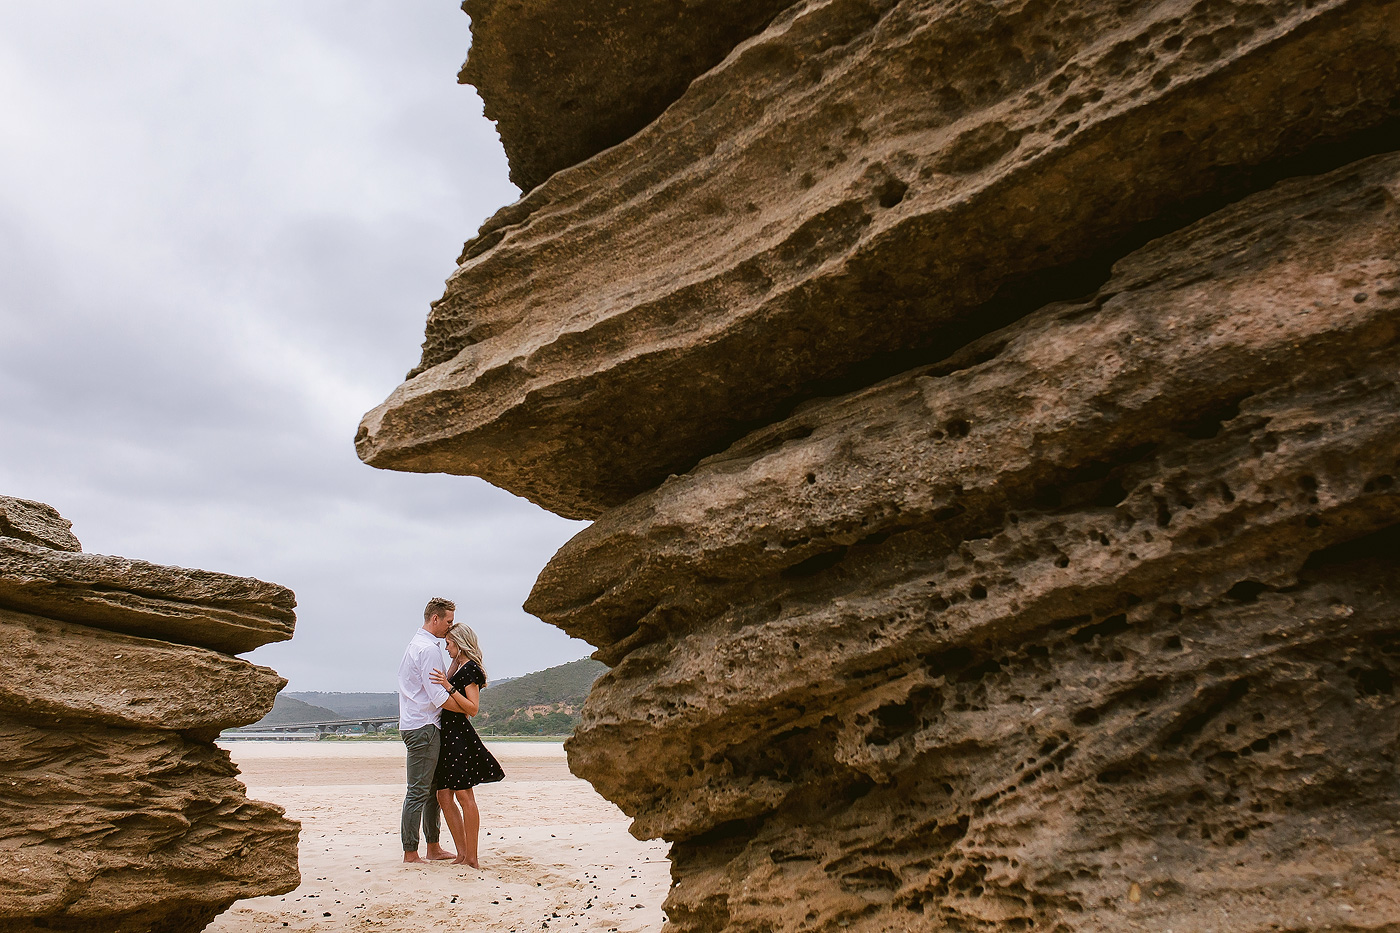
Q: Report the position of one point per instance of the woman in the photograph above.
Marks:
(464, 761)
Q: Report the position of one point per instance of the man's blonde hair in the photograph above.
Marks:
(437, 606)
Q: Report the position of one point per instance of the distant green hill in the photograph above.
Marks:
(350, 705)
(286, 709)
(543, 703)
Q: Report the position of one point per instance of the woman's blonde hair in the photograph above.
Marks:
(461, 635)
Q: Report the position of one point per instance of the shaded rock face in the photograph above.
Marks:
(564, 81)
(120, 814)
(991, 422)
(861, 180)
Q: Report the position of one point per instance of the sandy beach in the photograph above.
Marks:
(554, 854)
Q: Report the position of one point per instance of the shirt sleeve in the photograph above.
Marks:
(429, 660)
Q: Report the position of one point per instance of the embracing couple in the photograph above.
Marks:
(446, 759)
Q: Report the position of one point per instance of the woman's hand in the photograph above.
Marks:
(439, 678)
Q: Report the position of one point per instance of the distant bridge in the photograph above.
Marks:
(281, 729)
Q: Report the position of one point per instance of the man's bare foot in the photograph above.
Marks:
(412, 858)
(438, 853)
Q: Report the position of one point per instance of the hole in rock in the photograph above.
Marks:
(1212, 703)
(1379, 546)
(892, 192)
(870, 877)
(815, 564)
(1247, 591)
(1208, 424)
(1113, 625)
(1373, 681)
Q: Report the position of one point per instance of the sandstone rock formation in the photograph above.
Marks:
(991, 418)
(860, 180)
(36, 523)
(115, 677)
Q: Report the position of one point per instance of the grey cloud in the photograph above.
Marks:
(221, 225)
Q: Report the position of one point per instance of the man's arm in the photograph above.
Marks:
(427, 662)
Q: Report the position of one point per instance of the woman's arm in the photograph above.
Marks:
(466, 702)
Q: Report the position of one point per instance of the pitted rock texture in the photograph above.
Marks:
(192, 607)
(1093, 626)
(120, 814)
(36, 523)
(1223, 764)
(1301, 278)
(861, 179)
(566, 79)
(130, 831)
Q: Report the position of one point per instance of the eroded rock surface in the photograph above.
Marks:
(861, 179)
(53, 672)
(991, 418)
(120, 814)
(1301, 280)
(566, 80)
(36, 523)
(192, 607)
(1093, 626)
(129, 831)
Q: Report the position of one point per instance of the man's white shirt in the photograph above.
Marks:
(420, 700)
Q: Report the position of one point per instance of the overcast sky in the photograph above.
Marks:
(221, 224)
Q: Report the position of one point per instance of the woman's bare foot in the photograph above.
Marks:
(437, 853)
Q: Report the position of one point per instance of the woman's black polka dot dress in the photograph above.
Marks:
(464, 761)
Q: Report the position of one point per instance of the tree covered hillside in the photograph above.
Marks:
(543, 703)
(286, 709)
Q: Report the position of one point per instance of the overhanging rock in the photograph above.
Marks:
(862, 179)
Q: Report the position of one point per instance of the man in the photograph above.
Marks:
(420, 712)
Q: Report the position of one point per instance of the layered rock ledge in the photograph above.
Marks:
(115, 677)
(1095, 625)
(861, 179)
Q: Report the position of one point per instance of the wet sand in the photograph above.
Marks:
(554, 855)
